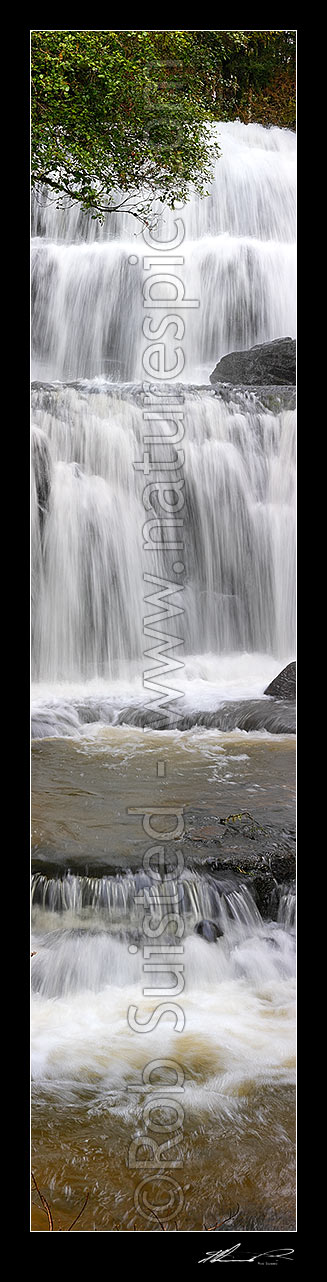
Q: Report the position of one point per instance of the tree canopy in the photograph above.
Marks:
(122, 118)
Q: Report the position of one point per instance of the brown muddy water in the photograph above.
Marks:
(83, 790)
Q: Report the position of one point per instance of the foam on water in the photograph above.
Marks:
(237, 999)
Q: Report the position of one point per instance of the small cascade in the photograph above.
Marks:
(114, 899)
(89, 933)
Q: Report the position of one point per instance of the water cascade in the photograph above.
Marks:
(88, 425)
(239, 262)
(234, 628)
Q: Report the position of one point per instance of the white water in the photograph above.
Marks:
(237, 626)
(88, 514)
(238, 999)
(88, 576)
(239, 262)
(239, 1022)
(79, 709)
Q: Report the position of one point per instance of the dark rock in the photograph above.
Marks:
(209, 931)
(284, 685)
(265, 363)
(243, 714)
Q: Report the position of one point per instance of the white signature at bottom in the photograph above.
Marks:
(228, 1257)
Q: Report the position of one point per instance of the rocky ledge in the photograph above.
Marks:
(236, 847)
(253, 400)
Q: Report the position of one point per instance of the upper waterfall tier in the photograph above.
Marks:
(94, 319)
(236, 262)
(252, 194)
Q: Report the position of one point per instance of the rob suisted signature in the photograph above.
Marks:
(228, 1257)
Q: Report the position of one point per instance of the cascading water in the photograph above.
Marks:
(82, 932)
(239, 262)
(90, 759)
(240, 567)
(239, 459)
(235, 1049)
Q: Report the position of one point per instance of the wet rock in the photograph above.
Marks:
(284, 685)
(241, 714)
(209, 931)
(266, 363)
(244, 714)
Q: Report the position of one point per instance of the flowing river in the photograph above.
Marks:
(163, 604)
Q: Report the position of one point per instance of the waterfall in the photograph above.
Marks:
(114, 899)
(239, 593)
(239, 262)
(82, 926)
(87, 966)
(88, 516)
(111, 936)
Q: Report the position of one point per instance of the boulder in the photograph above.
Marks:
(209, 931)
(266, 363)
(284, 685)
